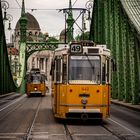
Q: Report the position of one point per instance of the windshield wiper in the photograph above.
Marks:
(90, 62)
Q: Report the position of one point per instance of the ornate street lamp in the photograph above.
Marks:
(9, 18)
(5, 6)
(89, 6)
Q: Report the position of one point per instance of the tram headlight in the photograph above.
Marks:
(35, 89)
(84, 101)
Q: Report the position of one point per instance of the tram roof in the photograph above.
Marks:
(96, 49)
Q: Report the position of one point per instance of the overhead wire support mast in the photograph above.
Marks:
(67, 11)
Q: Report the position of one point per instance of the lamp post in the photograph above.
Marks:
(5, 6)
(10, 18)
(89, 5)
(16, 68)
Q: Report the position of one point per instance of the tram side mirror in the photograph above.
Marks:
(114, 65)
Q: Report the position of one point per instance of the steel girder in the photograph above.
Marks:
(6, 80)
(110, 25)
(40, 46)
(26, 49)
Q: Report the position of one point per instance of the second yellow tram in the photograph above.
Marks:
(35, 83)
(81, 73)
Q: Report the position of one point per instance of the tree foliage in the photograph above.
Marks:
(83, 36)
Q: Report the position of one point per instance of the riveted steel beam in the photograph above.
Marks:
(6, 80)
(111, 25)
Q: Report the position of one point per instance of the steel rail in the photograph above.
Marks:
(12, 103)
(13, 108)
(121, 137)
(123, 126)
(29, 131)
(67, 133)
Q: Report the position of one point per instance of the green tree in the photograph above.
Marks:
(83, 36)
(52, 39)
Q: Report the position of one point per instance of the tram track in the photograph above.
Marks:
(67, 133)
(28, 122)
(6, 110)
(119, 135)
(28, 135)
(11, 103)
(113, 133)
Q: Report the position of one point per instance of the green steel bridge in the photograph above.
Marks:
(114, 22)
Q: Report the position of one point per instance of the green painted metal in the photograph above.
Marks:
(110, 25)
(26, 49)
(70, 22)
(6, 80)
(40, 46)
(22, 51)
(126, 64)
(23, 24)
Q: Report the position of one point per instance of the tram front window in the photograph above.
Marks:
(35, 78)
(84, 70)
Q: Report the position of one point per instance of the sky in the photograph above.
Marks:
(49, 19)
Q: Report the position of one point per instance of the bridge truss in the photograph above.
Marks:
(112, 25)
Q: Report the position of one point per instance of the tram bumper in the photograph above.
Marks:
(36, 91)
(84, 114)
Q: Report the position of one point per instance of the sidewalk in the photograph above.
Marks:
(8, 94)
(127, 105)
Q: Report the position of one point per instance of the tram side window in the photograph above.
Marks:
(58, 70)
(64, 69)
(52, 70)
(108, 71)
(103, 72)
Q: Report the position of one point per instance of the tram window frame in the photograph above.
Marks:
(108, 71)
(52, 71)
(99, 80)
(103, 69)
(58, 70)
(64, 69)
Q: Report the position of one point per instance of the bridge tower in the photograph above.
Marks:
(22, 49)
(23, 23)
(70, 22)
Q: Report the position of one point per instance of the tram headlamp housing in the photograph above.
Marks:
(35, 89)
(84, 101)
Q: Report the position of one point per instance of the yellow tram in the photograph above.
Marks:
(81, 73)
(35, 83)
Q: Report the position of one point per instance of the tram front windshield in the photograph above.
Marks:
(84, 69)
(36, 78)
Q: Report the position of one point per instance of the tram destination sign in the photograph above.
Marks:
(76, 48)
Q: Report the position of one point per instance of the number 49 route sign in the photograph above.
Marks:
(76, 48)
